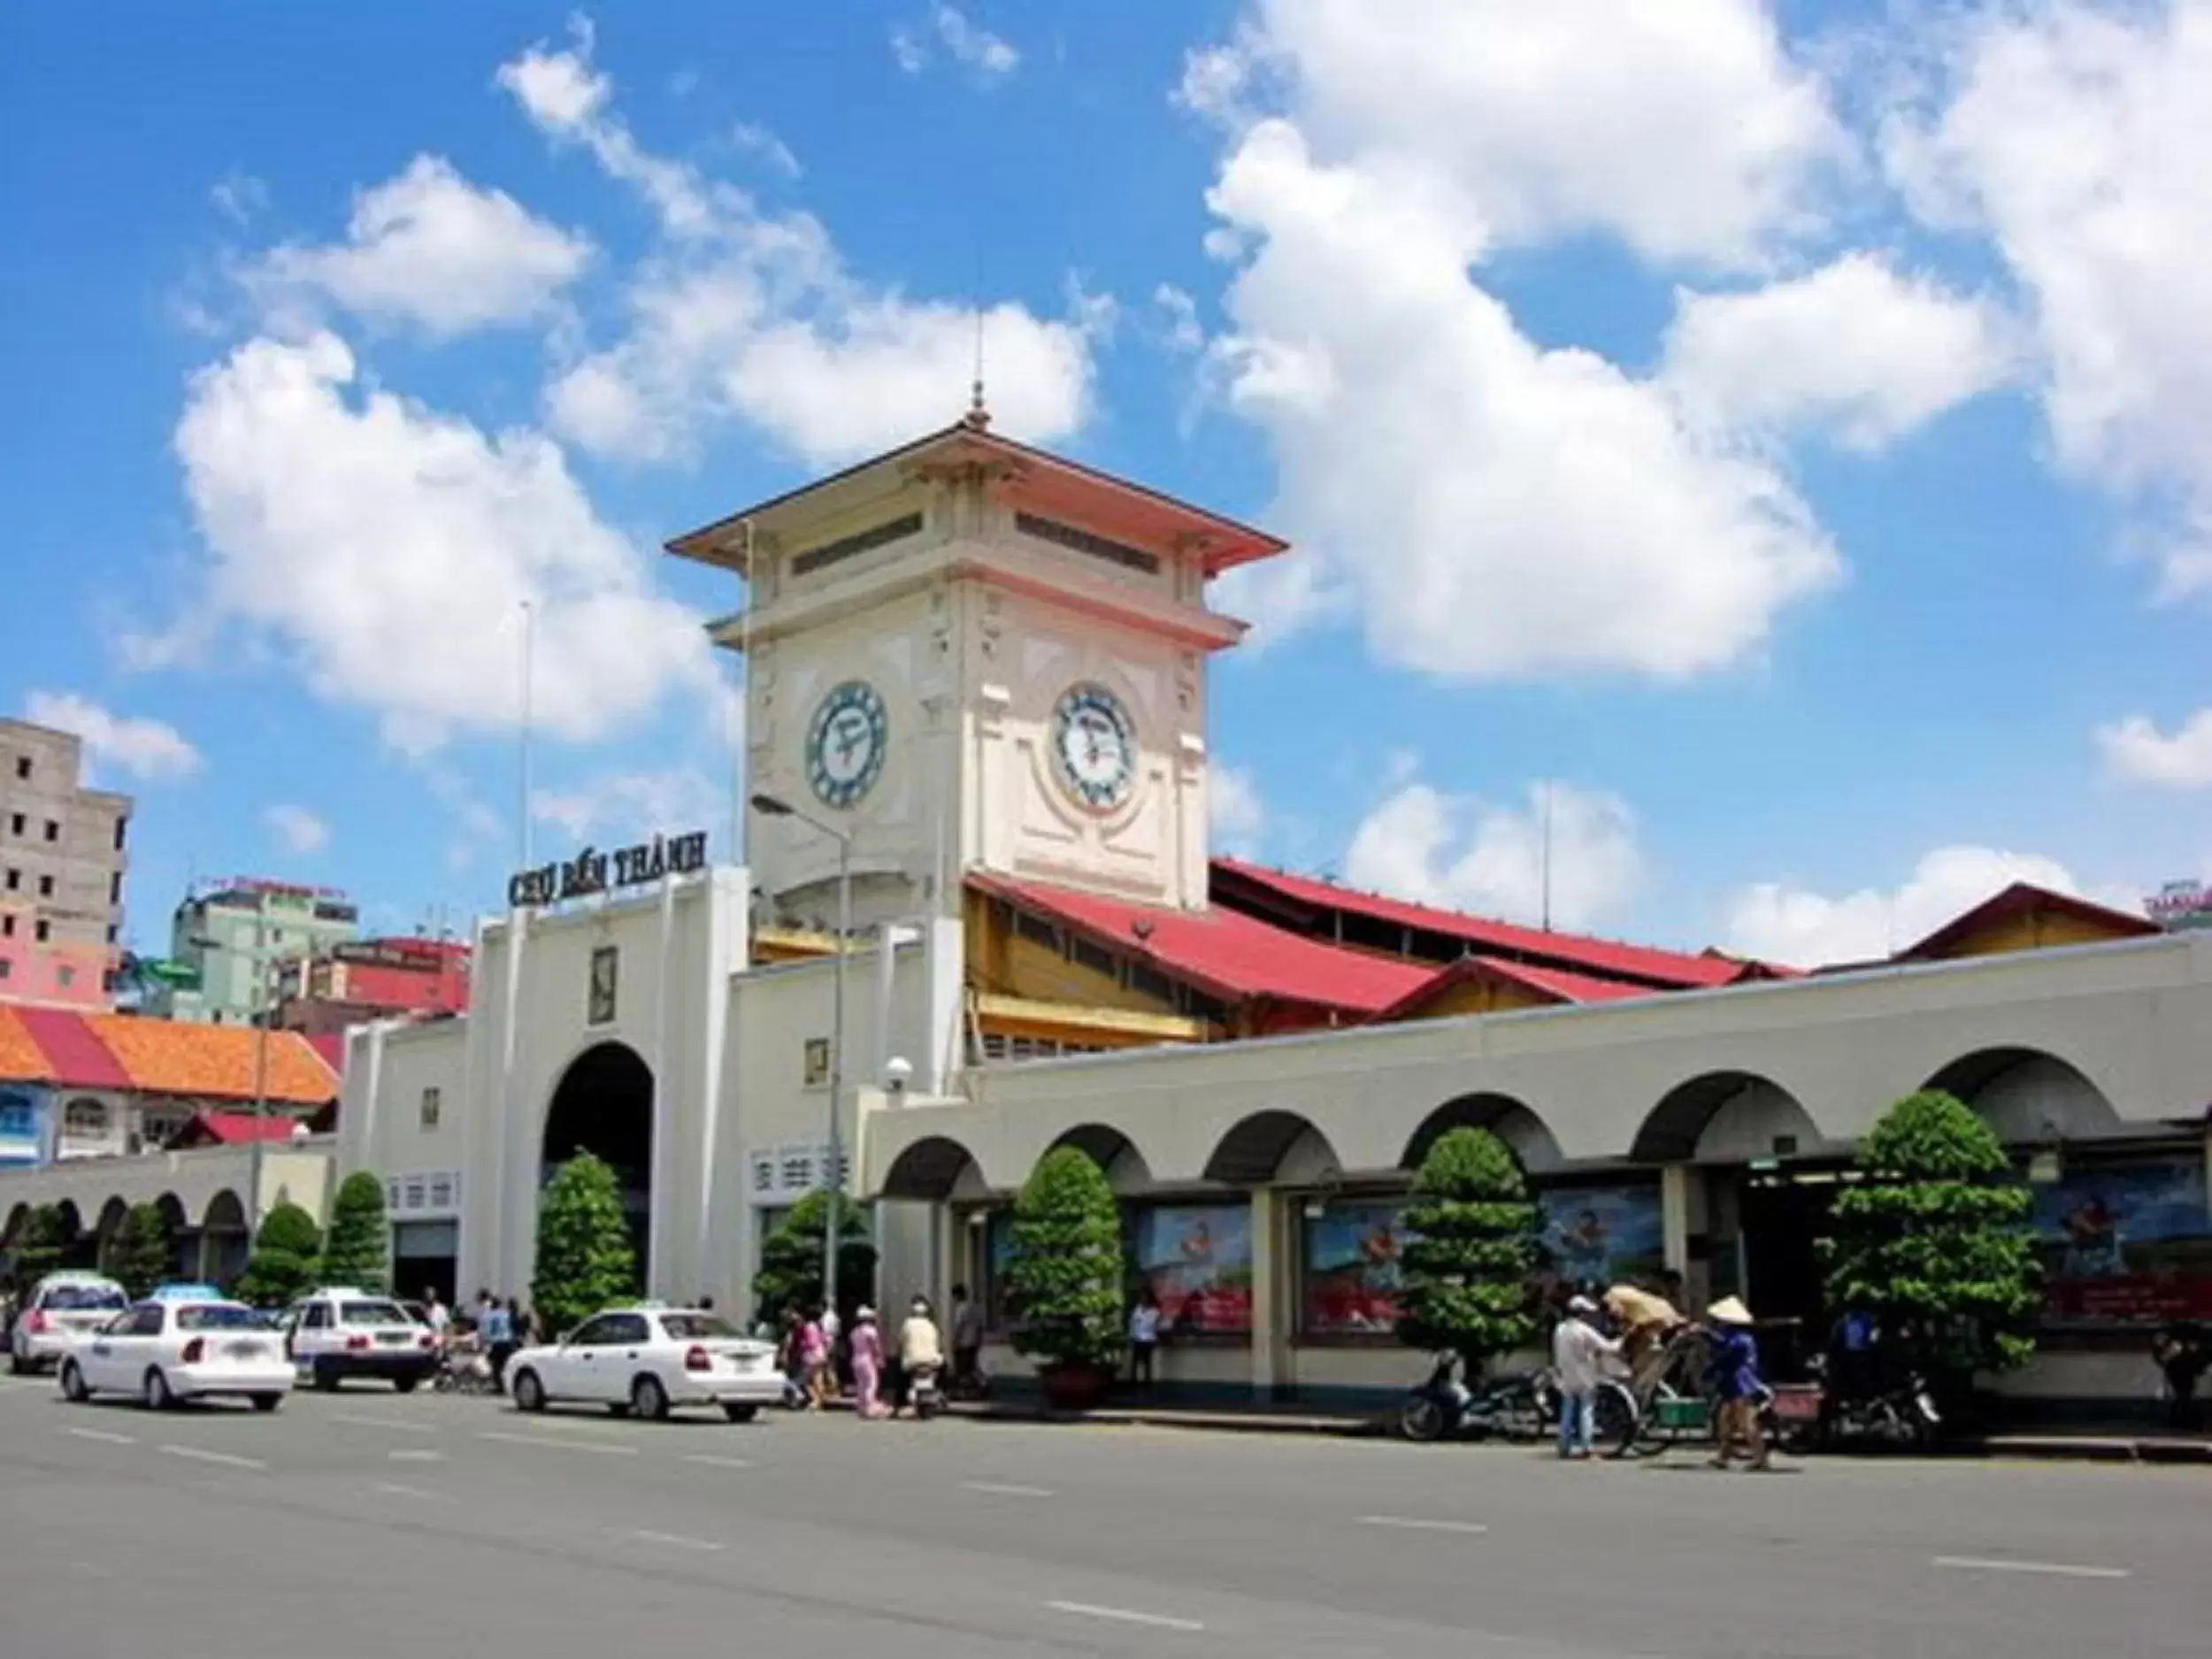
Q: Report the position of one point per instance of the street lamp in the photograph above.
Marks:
(775, 806)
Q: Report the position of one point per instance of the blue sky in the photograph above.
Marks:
(1782, 437)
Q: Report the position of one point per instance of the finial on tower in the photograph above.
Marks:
(977, 416)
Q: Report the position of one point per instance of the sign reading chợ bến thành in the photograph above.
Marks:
(594, 872)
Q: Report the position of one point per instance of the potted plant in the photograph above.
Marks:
(1064, 1279)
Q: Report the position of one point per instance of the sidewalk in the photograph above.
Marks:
(2116, 1444)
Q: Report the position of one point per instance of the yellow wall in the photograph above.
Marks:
(1000, 959)
(1479, 996)
(2038, 930)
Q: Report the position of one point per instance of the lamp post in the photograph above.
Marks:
(774, 806)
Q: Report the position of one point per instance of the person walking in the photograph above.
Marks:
(1144, 1337)
(1735, 1380)
(967, 1343)
(495, 1329)
(814, 1360)
(867, 1351)
(1579, 1354)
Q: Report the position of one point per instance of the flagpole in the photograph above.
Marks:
(528, 631)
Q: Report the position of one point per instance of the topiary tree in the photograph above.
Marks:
(143, 1249)
(1934, 1242)
(790, 1273)
(359, 1246)
(45, 1241)
(1064, 1275)
(286, 1259)
(584, 1259)
(1471, 1249)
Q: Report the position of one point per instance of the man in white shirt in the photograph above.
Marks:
(1578, 1353)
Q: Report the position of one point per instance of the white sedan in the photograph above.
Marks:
(642, 1361)
(167, 1352)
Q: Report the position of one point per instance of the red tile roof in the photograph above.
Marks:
(158, 1056)
(1601, 957)
(22, 1059)
(235, 1129)
(1555, 985)
(1222, 951)
(330, 1047)
(79, 1059)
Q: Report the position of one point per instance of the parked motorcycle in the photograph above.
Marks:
(924, 1392)
(1904, 1417)
(1509, 1405)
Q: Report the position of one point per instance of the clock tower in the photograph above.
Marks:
(970, 655)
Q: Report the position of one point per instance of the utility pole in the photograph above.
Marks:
(261, 1016)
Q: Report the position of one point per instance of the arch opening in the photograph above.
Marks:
(1113, 1152)
(1509, 1119)
(225, 1240)
(929, 1172)
(1725, 1118)
(2030, 1095)
(605, 1105)
(1260, 1148)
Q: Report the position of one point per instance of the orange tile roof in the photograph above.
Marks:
(22, 1059)
(212, 1062)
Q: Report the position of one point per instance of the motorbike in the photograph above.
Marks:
(924, 1393)
(1902, 1417)
(1513, 1404)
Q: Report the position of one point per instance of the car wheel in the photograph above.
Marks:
(158, 1397)
(529, 1392)
(326, 1376)
(267, 1402)
(738, 1412)
(72, 1383)
(18, 1366)
(649, 1399)
(404, 1385)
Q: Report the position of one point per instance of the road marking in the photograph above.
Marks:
(228, 1460)
(398, 1491)
(2055, 1569)
(103, 1437)
(674, 1541)
(1158, 1621)
(383, 1423)
(408, 1455)
(1002, 1490)
(712, 1461)
(557, 1445)
(1414, 1524)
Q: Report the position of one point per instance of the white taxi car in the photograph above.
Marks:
(62, 1307)
(339, 1334)
(644, 1360)
(176, 1349)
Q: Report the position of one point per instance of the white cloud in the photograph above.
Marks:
(2074, 135)
(747, 315)
(2136, 751)
(1683, 129)
(624, 806)
(1185, 332)
(1489, 507)
(1238, 812)
(429, 247)
(297, 830)
(147, 750)
(386, 550)
(1465, 854)
(965, 42)
(1779, 923)
(756, 139)
(1853, 349)
(238, 196)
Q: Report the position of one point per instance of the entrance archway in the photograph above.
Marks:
(604, 1105)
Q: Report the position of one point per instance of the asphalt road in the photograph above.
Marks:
(368, 1525)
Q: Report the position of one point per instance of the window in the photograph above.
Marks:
(46, 886)
(65, 976)
(82, 1299)
(692, 1327)
(599, 998)
(432, 1102)
(318, 1316)
(1042, 933)
(112, 931)
(593, 1333)
(84, 1118)
(7, 927)
(1094, 957)
(121, 823)
(53, 831)
(15, 879)
(1197, 1259)
(1350, 1267)
(217, 1315)
(115, 888)
(373, 1313)
(627, 1327)
(816, 1071)
(39, 929)
(22, 765)
(143, 1320)
(6, 967)
(15, 824)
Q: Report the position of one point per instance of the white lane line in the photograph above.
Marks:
(710, 1461)
(396, 1490)
(557, 1445)
(103, 1437)
(999, 1489)
(228, 1460)
(359, 1422)
(2054, 1569)
(1126, 1616)
(1414, 1523)
(674, 1541)
(408, 1455)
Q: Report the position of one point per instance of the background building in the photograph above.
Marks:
(360, 980)
(226, 938)
(62, 862)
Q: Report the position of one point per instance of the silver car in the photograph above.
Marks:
(63, 1307)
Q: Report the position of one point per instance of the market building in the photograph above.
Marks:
(976, 919)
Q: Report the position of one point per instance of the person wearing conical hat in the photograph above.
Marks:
(1735, 1379)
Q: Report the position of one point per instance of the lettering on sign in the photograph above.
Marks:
(2181, 904)
(594, 872)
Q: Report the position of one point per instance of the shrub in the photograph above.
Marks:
(790, 1271)
(286, 1259)
(1934, 1242)
(359, 1248)
(1471, 1252)
(1064, 1280)
(43, 1244)
(143, 1249)
(584, 1259)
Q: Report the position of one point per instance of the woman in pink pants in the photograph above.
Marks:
(867, 1347)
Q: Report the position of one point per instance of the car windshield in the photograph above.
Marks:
(84, 1299)
(372, 1313)
(217, 1315)
(686, 1327)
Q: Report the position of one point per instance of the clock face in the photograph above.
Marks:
(845, 743)
(1095, 743)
